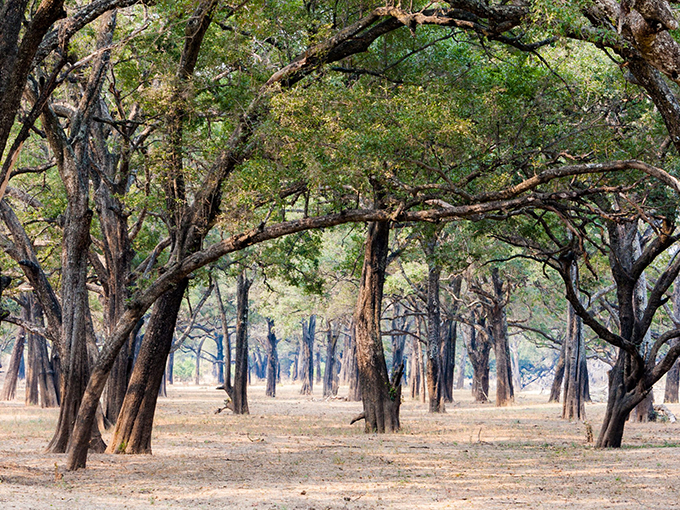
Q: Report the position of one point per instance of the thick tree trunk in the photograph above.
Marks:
(478, 347)
(306, 365)
(9, 388)
(448, 356)
(505, 392)
(620, 403)
(135, 421)
(329, 388)
(573, 403)
(380, 396)
(272, 359)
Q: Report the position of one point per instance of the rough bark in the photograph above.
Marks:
(672, 382)
(135, 421)
(306, 364)
(354, 393)
(415, 376)
(478, 348)
(433, 347)
(272, 359)
(381, 397)
(505, 392)
(239, 395)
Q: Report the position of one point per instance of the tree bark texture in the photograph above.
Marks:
(448, 357)
(556, 387)
(135, 421)
(478, 348)
(573, 403)
(433, 348)
(381, 397)
(505, 392)
(9, 388)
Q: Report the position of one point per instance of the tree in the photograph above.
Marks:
(306, 360)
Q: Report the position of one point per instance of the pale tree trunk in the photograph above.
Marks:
(573, 403)
(673, 375)
(272, 359)
(381, 397)
(460, 378)
(414, 368)
(329, 388)
(399, 324)
(10, 386)
(306, 366)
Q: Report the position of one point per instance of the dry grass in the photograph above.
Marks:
(300, 453)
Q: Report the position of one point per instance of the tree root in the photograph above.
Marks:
(357, 418)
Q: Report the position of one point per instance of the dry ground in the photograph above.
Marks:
(300, 453)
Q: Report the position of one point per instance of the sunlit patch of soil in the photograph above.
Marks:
(297, 452)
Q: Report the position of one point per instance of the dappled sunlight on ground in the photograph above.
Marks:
(298, 452)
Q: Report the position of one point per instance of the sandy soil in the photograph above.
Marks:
(297, 452)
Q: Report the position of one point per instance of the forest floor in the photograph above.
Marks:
(295, 452)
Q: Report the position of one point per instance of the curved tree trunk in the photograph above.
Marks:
(556, 387)
(380, 396)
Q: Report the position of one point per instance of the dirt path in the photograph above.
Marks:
(294, 452)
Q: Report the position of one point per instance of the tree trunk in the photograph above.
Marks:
(31, 359)
(505, 392)
(10, 387)
(197, 375)
(354, 393)
(135, 421)
(381, 397)
(169, 369)
(398, 340)
(672, 381)
(433, 348)
(619, 404)
(448, 356)
(478, 348)
(219, 358)
(239, 392)
(306, 365)
(556, 387)
(460, 378)
(272, 359)
(329, 388)
(415, 368)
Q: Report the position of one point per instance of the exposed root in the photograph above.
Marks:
(357, 418)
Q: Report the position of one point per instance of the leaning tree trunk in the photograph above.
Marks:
(505, 392)
(381, 397)
(329, 373)
(10, 386)
(135, 421)
(556, 387)
(306, 365)
(272, 359)
(448, 356)
(621, 401)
